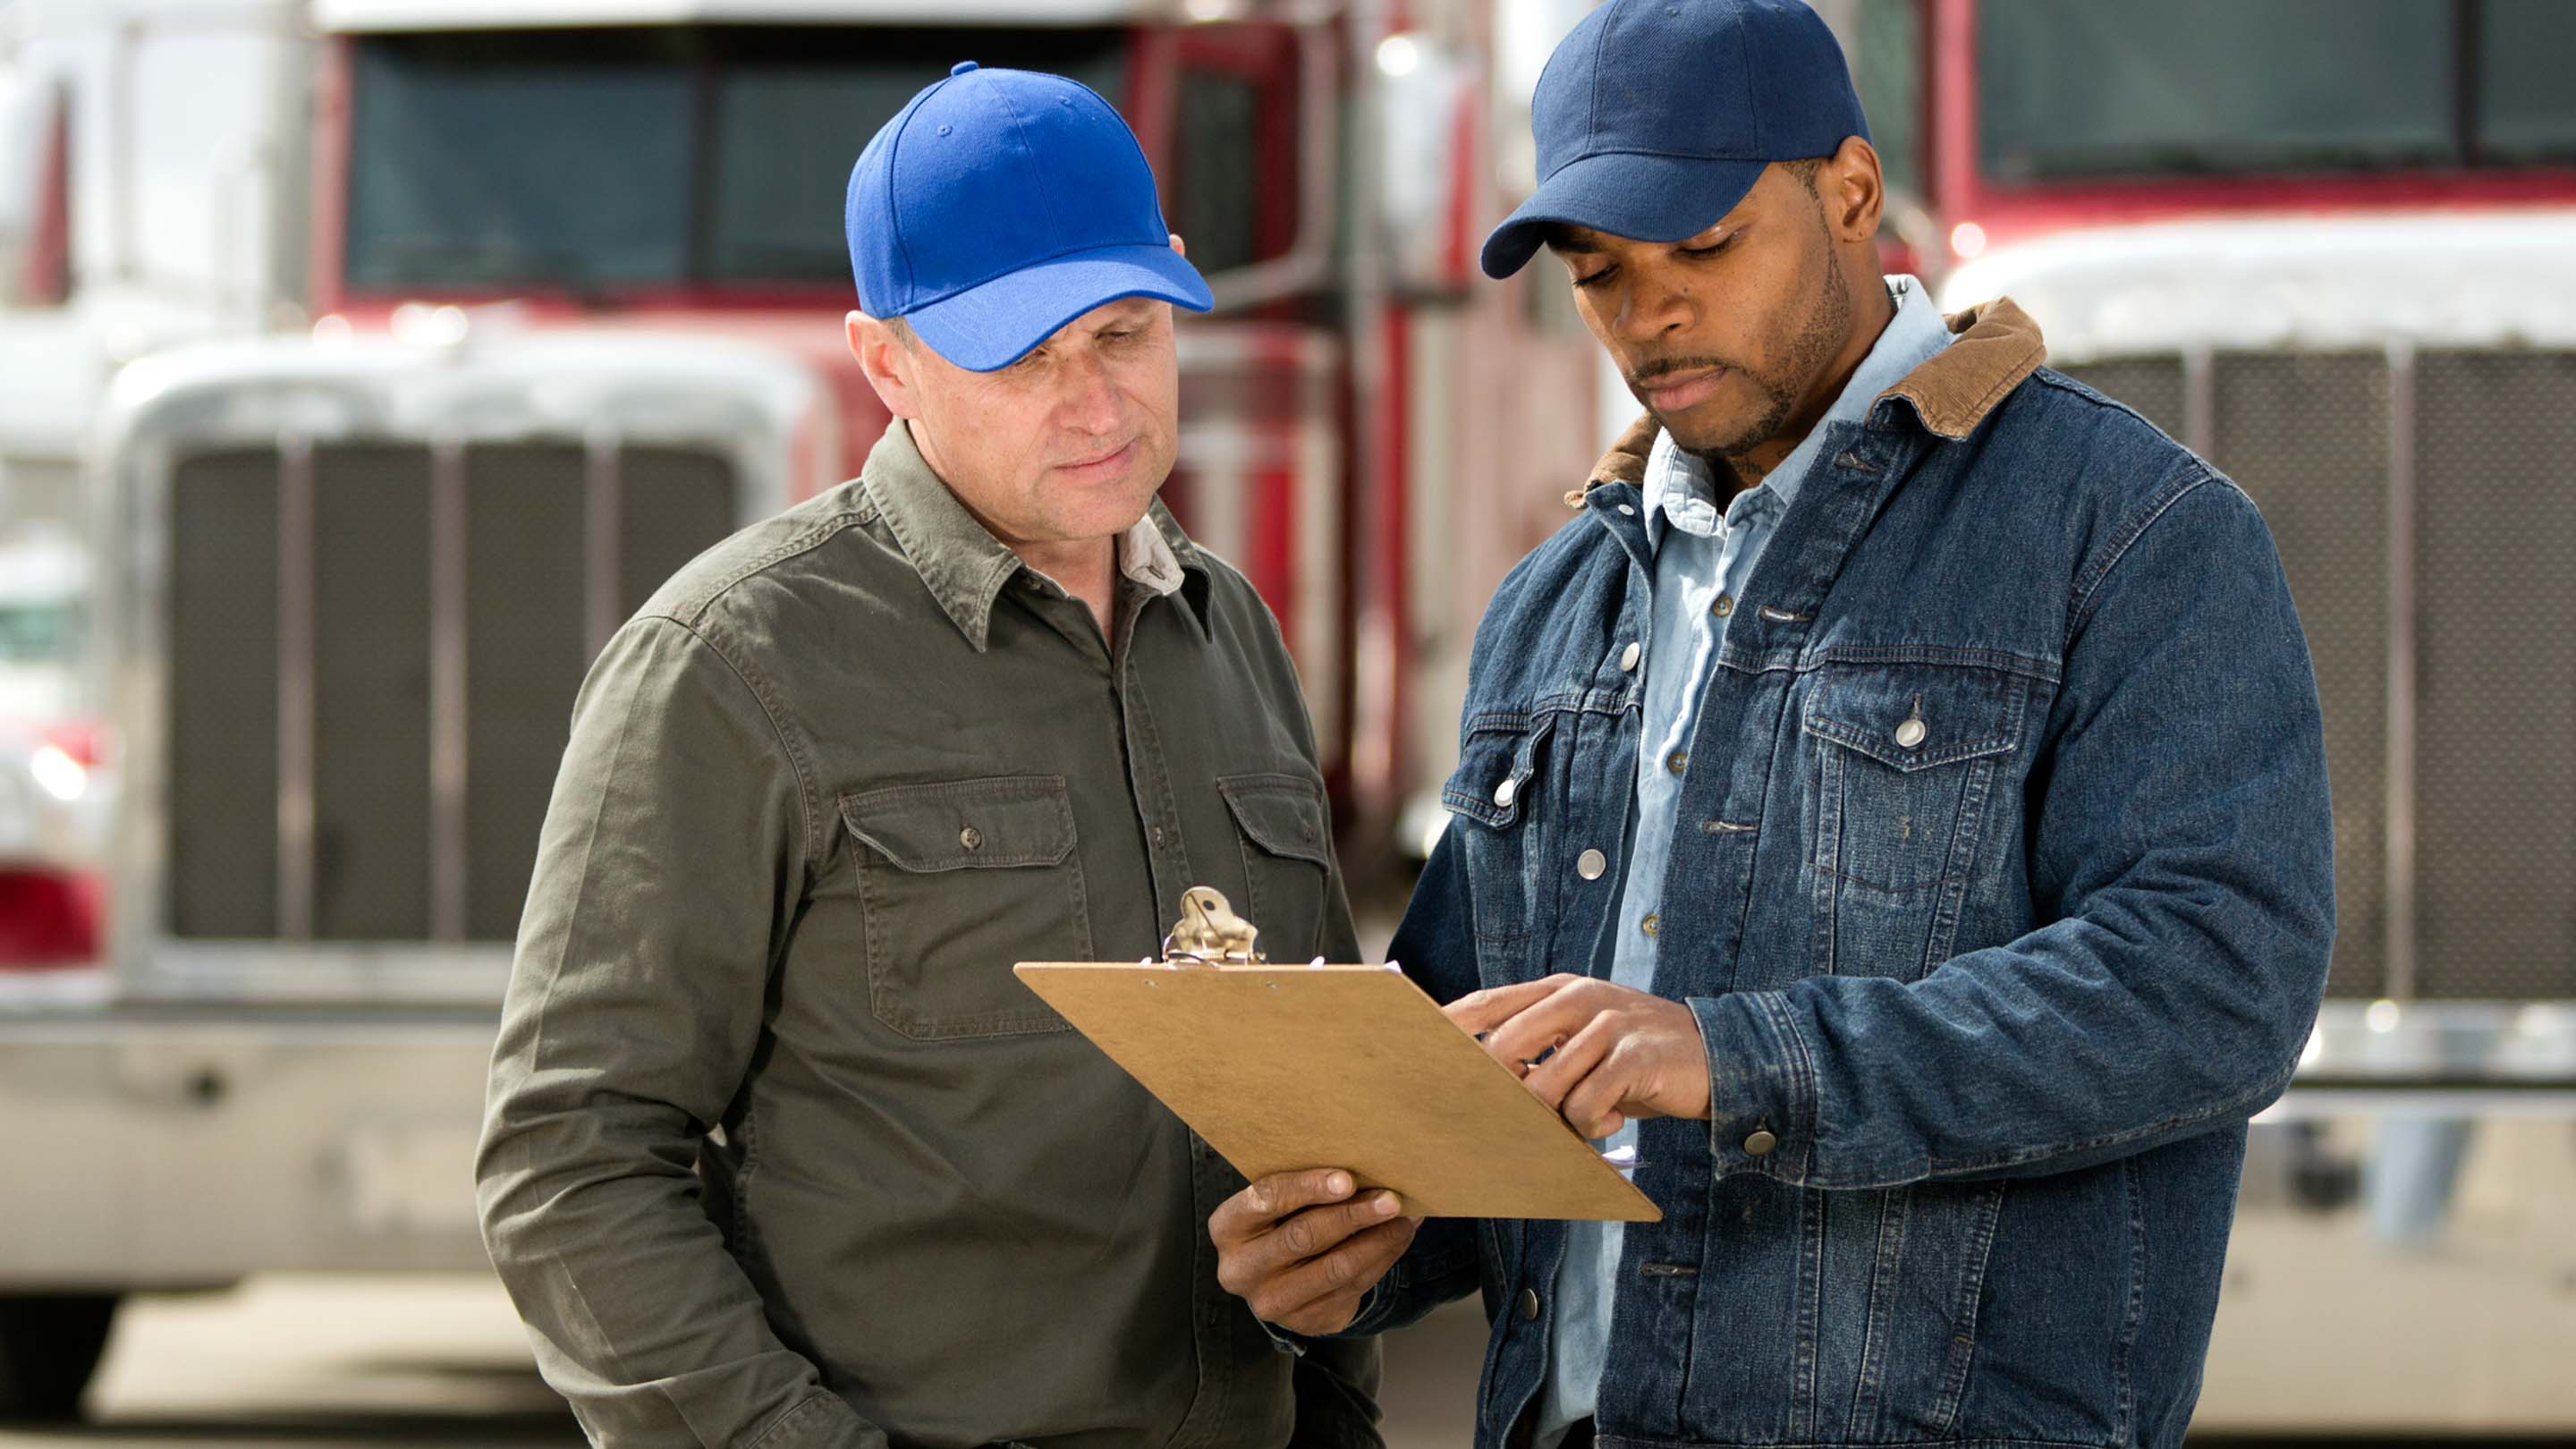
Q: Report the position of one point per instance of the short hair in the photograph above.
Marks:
(900, 330)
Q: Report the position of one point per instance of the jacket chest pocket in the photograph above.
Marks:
(1905, 767)
(959, 881)
(1495, 803)
(1283, 832)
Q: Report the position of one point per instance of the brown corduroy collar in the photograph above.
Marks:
(1994, 346)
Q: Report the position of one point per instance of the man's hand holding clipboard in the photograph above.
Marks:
(1304, 1251)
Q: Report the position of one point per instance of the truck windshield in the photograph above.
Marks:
(675, 156)
(2073, 92)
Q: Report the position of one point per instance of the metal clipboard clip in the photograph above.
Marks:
(1209, 933)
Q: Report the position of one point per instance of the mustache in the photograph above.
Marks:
(1650, 373)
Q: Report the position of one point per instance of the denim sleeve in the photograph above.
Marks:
(1437, 948)
(671, 855)
(2182, 854)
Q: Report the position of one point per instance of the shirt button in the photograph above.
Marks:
(1724, 606)
(1529, 1303)
(1910, 733)
(1629, 656)
(971, 838)
(1760, 1143)
(1504, 792)
(1160, 834)
(1678, 761)
(1590, 864)
(1649, 924)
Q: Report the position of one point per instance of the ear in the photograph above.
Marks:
(886, 363)
(1852, 191)
(1180, 246)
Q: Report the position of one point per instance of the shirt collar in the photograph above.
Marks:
(1682, 493)
(965, 567)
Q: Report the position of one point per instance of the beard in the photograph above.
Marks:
(1821, 328)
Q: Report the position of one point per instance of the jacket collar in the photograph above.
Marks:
(1994, 346)
(964, 566)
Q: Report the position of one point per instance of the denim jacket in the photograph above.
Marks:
(2006, 901)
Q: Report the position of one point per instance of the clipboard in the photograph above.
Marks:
(1286, 1067)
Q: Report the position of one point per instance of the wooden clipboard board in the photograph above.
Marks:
(1288, 1067)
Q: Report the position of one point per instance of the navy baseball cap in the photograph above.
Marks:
(997, 206)
(1654, 117)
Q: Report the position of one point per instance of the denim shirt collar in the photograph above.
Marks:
(1680, 489)
(965, 566)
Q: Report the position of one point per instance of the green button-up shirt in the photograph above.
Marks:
(779, 1152)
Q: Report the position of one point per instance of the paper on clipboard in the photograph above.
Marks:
(1288, 1067)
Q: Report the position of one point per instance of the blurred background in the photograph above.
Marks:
(364, 362)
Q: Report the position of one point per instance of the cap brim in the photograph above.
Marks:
(1642, 198)
(988, 327)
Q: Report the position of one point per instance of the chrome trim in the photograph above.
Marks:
(1307, 264)
(2399, 948)
(603, 503)
(192, 1151)
(295, 687)
(331, 973)
(448, 567)
(2441, 1044)
(743, 401)
(2199, 400)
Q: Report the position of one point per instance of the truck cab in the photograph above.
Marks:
(533, 303)
(2329, 249)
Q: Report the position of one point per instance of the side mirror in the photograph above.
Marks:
(1430, 167)
(35, 191)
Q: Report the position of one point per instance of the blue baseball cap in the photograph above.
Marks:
(997, 206)
(1654, 117)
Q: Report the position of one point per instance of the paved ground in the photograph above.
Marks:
(362, 1363)
(347, 1363)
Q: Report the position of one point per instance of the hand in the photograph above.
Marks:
(1301, 1253)
(1619, 1054)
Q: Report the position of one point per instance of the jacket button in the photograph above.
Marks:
(1529, 1304)
(1629, 656)
(1760, 1143)
(1910, 733)
(1590, 864)
(971, 838)
(1504, 792)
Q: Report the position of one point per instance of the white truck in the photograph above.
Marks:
(392, 350)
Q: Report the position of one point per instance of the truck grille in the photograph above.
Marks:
(374, 649)
(2454, 850)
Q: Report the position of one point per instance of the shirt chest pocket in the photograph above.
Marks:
(959, 881)
(1282, 830)
(1905, 765)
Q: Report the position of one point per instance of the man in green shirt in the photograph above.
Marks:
(779, 1153)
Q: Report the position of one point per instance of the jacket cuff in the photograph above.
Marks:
(1761, 1086)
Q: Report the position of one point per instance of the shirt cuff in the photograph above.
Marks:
(1761, 1085)
(1296, 1344)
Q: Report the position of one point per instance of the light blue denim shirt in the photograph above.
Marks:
(1702, 559)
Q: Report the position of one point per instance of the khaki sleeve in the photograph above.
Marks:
(673, 856)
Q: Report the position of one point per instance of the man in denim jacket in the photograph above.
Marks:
(1896, 805)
